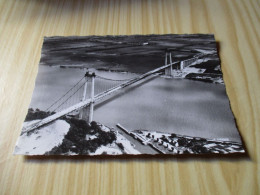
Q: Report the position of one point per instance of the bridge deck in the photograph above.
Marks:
(97, 98)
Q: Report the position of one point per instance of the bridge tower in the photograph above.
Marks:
(168, 71)
(86, 113)
(181, 65)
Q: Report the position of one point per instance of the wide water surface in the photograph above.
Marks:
(179, 106)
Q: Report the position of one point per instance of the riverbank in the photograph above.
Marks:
(167, 143)
(71, 136)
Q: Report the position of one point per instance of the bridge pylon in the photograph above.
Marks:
(168, 71)
(86, 113)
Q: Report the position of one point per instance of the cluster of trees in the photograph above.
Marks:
(75, 140)
(37, 114)
(196, 145)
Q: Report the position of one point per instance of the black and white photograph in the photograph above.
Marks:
(129, 95)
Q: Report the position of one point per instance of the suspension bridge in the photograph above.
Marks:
(79, 100)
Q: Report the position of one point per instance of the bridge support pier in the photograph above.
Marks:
(181, 65)
(168, 71)
(86, 113)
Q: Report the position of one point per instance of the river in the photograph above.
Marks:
(179, 106)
